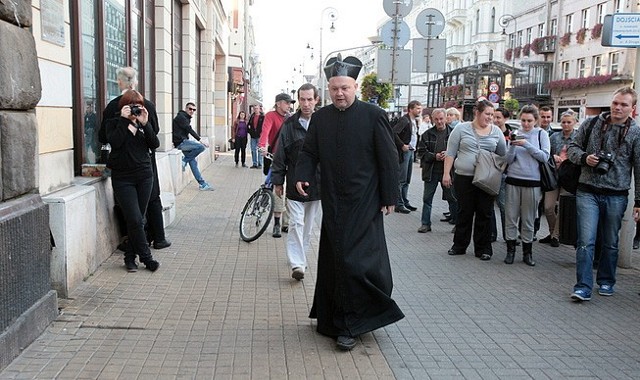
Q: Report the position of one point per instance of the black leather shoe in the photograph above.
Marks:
(485, 257)
(446, 219)
(161, 244)
(346, 343)
(455, 252)
(402, 210)
(411, 208)
(285, 229)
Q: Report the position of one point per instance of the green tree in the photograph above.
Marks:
(512, 105)
(372, 90)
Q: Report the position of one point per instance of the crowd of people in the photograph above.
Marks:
(354, 162)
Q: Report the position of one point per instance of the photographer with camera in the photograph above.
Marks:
(612, 150)
(132, 137)
(529, 146)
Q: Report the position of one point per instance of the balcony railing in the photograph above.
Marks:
(530, 90)
(542, 45)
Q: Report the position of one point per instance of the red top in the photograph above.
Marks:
(270, 128)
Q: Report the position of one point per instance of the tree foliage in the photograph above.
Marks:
(512, 105)
(372, 90)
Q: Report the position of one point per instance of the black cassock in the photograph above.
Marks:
(359, 174)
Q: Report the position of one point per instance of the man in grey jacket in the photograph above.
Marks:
(613, 149)
(302, 210)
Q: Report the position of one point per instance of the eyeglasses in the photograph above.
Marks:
(192, 109)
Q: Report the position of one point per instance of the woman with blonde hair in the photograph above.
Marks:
(559, 144)
(453, 116)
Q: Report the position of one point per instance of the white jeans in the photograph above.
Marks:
(301, 220)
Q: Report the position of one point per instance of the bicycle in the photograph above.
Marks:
(257, 212)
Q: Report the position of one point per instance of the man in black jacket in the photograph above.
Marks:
(302, 210)
(181, 130)
(255, 129)
(406, 137)
(127, 78)
(431, 152)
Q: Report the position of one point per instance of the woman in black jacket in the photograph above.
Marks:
(131, 137)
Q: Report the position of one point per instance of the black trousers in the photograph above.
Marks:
(132, 194)
(155, 223)
(241, 149)
(474, 215)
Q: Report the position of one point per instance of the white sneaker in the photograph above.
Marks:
(206, 187)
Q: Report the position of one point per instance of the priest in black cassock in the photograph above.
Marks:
(351, 142)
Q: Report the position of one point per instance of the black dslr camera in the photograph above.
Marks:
(135, 110)
(605, 160)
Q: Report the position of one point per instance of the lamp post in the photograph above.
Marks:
(504, 22)
(332, 13)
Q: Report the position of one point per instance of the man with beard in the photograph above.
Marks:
(353, 143)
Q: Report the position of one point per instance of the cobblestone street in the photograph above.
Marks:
(222, 308)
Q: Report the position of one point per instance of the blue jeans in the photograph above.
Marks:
(427, 198)
(256, 157)
(191, 149)
(406, 169)
(606, 212)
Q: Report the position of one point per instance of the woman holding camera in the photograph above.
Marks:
(465, 141)
(528, 148)
(132, 137)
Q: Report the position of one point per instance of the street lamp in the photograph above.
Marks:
(504, 22)
(332, 14)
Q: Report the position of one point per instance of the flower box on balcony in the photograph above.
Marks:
(596, 32)
(526, 50)
(572, 83)
(565, 40)
(581, 35)
(508, 54)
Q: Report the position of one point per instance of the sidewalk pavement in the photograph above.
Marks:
(222, 308)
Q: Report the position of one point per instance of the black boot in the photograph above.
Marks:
(130, 262)
(148, 261)
(527, 255)
(511, 251)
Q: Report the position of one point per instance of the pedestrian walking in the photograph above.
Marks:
(352, 142)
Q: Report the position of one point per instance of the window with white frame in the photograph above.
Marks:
(493, 20)
(512, 40)
(617, 6)
(477, 21)
(614, 62)
(601, 11)
(529, 35)
(519, 38)
(564, 72)
(584, 18)
(554, 27)
(540, 30)
(597, 65)
(568, 27)
(582, 68)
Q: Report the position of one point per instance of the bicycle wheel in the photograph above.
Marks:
(256, 215)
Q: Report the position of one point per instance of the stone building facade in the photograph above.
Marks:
(54, 84)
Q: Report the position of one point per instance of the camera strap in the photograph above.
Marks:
(621, 136)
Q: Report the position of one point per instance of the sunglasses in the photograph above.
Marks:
(192, 109)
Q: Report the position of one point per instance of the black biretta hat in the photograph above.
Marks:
(337, 67)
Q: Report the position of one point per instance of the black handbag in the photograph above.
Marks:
(568, 176)
(568, 172)
(548, 172)
(232, 144)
